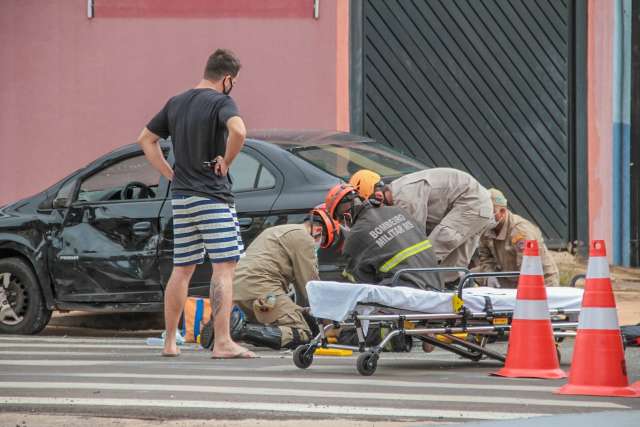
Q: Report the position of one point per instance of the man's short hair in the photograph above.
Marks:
(222, 62)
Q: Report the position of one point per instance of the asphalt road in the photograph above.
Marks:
(124, 377)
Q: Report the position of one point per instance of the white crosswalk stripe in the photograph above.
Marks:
(128, 373)
(19, 340)
(386, 412)
(286, 392)
(271, 379)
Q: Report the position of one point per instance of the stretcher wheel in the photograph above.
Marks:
(475, 356)
(302, 357)
(367, 363)
(407, 344)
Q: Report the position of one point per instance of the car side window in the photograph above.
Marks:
(248, 174)
(129, 179)
(65, 194)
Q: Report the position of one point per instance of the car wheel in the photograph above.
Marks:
(22, 307)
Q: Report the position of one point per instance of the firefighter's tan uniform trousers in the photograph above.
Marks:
(454, 208)
(279, 256)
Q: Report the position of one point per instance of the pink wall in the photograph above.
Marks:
(73, 88)
(600, 127)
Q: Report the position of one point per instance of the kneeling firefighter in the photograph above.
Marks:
(281, 255)
(377, 240)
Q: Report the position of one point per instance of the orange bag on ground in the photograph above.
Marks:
(197, 312)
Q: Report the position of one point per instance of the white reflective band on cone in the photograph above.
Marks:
(531, 266)
(598, 268)
(528, 309)
(603, 318)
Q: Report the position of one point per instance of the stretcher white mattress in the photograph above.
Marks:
(336, 300)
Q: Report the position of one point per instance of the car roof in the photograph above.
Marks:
(291, 139)
(283, 138)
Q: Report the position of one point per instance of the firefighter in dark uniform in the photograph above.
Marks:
(380, 240)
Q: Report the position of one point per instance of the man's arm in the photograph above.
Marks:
(359, 268)
(486, 262)
(485, 257)
(302, 254)
(235, 141)
(149, 143)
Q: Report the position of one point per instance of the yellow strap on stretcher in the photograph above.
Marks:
(447, 340)
(404, 254)
(457, 303)
(332, 352)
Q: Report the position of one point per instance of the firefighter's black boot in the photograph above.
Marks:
(259, 335)
(207, 334)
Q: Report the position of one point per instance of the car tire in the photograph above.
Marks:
(32, 310)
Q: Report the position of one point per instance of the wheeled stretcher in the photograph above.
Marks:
(461, 321)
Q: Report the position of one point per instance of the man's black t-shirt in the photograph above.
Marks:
(196, 121)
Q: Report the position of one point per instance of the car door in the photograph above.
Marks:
(106, 248)
(256, 183)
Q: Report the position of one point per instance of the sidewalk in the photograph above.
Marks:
(28, 420)
(626, 284)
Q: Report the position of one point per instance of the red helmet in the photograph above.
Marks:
(330, 228)
(337, 195)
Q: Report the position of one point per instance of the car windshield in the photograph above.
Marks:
(345, 159)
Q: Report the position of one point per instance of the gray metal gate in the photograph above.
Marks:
(478, 85)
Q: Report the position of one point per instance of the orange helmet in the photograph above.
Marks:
(330, 228)
(365, 182)
(336, 195)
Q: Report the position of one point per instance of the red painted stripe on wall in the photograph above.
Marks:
(599, 128)
(342, 65)
(203, 9)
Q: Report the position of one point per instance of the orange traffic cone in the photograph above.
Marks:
(532, 349)
(598, 367)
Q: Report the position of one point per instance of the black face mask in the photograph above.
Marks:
(226, 90)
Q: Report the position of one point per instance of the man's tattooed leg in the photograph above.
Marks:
(216, 296)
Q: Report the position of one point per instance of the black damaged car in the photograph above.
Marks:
(101, 238)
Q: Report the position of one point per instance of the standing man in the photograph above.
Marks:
(452, 206)
(501, 248)
(207, 133)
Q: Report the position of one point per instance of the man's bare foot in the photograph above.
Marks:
(170, 349)
(242, 355)
(231, 350)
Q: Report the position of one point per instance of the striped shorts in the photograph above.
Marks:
(202, 225)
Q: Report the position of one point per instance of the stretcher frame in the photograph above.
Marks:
(483, 325)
